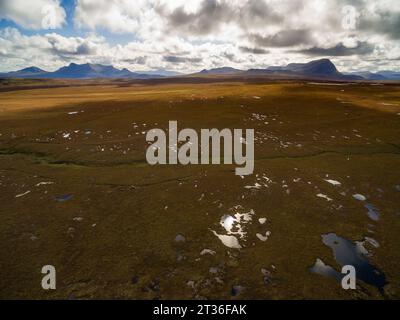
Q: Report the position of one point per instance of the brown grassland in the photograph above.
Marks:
(114, 234)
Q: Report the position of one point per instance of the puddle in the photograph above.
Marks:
(349, 253)
(64, 197)
(262, 220)
(325, 270)
(44, 183)
(327, 84)
(333, 182)
(227, 222)
(180, 238)
(263, 237)
(207, 251)
(228, 241)
(256, 186)
(236, 290)
(324, 196)
(372, 213)
(234, 226)
(23, 194)
(359, 197)
(372, 242)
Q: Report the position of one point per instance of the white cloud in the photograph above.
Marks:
(119, 16)
(188, 35)
(37, 14)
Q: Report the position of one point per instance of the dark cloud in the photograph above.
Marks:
(85, 49)
(362, 48)
(62, 49)
(256, 12)
(284, 38)
(209, 17)
(176, 52)
(176, 59)
(253, 50)
(212, 14)
(137, 60)
(387, 23)
(229, 56)
(382, 21)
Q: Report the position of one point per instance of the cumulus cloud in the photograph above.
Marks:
(73, 45)
(138, 60)
(210, 16)
(384, 22)
(175, 59)
(253, 50)
(38, 14)
(362, 48)
(119, 16)
(284, 38)
(187, 35)
(215, 16)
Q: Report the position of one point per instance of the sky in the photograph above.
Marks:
(191, 35)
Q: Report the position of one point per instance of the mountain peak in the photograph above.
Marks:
(316, 67)
(324, 66)
(31, 70)
(323, 60)
(222, 70)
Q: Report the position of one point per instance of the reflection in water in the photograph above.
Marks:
(64, 197)
(263, 237)
(229, 241)
(359, 197)
(180, 238)
(325, 270)
(333, 182)
(227, 223)
(372, 242)
(262, 220)
(373, 213)
(236, 290)
(324, 196)
(348, 253)
(234, 227)
(207, 251)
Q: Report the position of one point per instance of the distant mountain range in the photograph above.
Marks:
(322, 69)
(317, 69)
(85, 71)
(381, 75)
(160, 72)
(223, 70)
